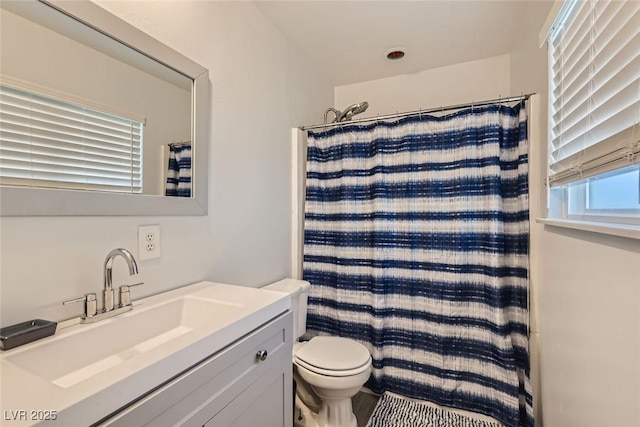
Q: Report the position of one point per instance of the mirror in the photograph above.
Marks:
(72, 56)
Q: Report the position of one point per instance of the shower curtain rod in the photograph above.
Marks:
(416, 112)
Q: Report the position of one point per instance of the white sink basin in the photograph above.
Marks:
(86, 371)
(89, 351)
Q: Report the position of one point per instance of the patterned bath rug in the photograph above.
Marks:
(393, 411)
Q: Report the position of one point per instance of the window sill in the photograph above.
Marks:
(621, 230)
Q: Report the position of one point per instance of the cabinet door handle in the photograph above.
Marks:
(262, 355)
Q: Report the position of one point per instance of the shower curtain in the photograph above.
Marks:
(416, 245)
(179, 170)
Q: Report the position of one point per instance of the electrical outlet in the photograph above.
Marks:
(148, 242)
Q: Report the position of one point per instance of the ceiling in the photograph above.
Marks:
(348, 39)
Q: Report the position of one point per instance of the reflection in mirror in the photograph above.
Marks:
(83, 109)
(103, 120)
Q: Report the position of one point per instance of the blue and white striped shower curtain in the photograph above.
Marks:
(179, 170)
(416, 245)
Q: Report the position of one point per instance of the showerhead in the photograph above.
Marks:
(352, 110)
(357, 108)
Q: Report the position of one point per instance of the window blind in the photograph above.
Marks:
(594, 58)
(48, 142)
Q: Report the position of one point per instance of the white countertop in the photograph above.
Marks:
(26, 398)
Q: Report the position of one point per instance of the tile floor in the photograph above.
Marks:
(363, 405)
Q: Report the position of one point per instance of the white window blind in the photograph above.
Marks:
(594, 59)
(47, 142)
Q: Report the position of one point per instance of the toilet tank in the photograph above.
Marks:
(299, 292)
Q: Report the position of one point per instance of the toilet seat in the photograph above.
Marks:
(333, 356)
(332, 373)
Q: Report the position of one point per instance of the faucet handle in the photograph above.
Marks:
(125, 295)
(90, 304)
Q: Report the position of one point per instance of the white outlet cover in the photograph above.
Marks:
(148, 242)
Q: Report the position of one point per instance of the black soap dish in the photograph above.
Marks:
(25, 332)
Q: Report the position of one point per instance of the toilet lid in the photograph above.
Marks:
(333, 354)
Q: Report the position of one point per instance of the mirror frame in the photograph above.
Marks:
(22, 201)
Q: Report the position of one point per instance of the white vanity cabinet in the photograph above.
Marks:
(233, 387)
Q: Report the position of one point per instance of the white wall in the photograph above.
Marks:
(457, 84)
(588, 312)
(261, 87)
(590, 322)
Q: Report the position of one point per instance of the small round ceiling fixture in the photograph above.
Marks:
(395, 53)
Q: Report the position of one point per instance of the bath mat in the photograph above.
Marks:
(393, 411)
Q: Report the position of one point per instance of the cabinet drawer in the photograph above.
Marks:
(196, 396)
(261, 404)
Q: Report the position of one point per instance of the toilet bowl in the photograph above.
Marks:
(328, 370)
(336, 369)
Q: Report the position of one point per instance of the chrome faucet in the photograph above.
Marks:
(108, 265)
(91, 313)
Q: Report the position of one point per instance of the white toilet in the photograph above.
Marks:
(328, 370)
